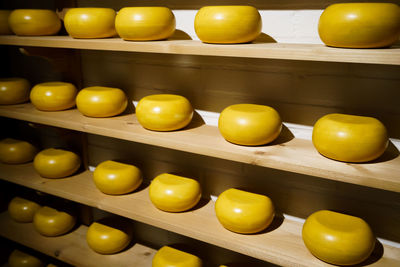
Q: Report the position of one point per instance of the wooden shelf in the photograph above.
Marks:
(72, 247)
(296, 155)
(308, 52)
(281, 244)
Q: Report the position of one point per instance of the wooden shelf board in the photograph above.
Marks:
(282, 245)
(308, 52)
(72, 247)
(296, 155)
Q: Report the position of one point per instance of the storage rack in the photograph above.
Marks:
(281, 244)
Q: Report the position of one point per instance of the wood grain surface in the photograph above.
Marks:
(293, 155)
(72, 247)
(281, 243)
(312, 52)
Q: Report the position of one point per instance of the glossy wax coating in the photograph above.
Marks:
(350, 138)
(171, 257)
(104, 239)
(56, 163)
(34, 22)
(338, 238)
(53, 96)
(249, 124)
(360, 25)
(101, 102)
(13, 151)
(227, 24)
(21, 259)
(116, 178)
(244, 212)
(164, 112)
(14, 91)
(22, 210)
(174, 193)
(51, 222)
(145, 23)
(90, 22)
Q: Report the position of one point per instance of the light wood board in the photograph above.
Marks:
(295, 194)
(72, 247)
(295, 155)
(308, 52)
(196, 4)
(280, 244)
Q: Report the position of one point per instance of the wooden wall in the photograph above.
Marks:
(301, 91)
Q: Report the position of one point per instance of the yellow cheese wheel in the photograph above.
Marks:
(145, 23)
(34, 22)
(350, 138)
(227, 24)
(360, 25)
(51, 222)
(164, 112)
(116, 178)
(14, 91)
(171, 257)
(249, 124)
(244, 212)
(89, 22)
(174, 193)
(104, 239)
(338, 238)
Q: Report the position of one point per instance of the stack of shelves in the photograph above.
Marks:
(280, 244)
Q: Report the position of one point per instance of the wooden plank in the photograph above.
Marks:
(309, 52)
(196, 4)
(280, 244)
(293, 155)
(72, 247)
(295, 194)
